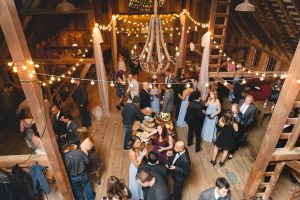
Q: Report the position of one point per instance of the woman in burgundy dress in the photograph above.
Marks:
(162, 143)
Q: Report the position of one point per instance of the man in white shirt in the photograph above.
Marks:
(169, 78)
(248, 110)
(133, 88)
(220, 192)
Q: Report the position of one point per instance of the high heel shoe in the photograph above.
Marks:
(221, 163)
(213, 162)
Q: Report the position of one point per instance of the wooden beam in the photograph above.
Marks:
(294, 165)
(278, 119)
(240, 74)
(16, 42)
(54, 61)
(30, 12)
(273, 180)
(11, 160)
(294, 136)
(284, 154)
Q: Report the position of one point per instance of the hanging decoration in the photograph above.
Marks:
(144, 5)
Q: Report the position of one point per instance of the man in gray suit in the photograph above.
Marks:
(167, 105)
(220, 192)
(248, 110)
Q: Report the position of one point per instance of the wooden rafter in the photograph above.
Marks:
(30, 12)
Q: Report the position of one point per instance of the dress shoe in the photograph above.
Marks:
(221, 163)
(213, 162)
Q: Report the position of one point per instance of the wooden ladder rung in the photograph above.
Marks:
(264, 184)
(215, 56)
(222, 15)
(259, 194)
(218, 36)
(285, 135)
(220, 26)
(269, 173)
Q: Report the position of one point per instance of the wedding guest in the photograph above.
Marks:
(58, 126)
(145, 96)
(80, 97)
(167, 105)
(209, 129)
(158, 189)
(117, 189)
(219, 192)
(130, 113)
(226, 139)
(194, 118)
(71, 135)
(154, 165)
(155, 93)
(276, 88)
(120, 86)
(194, 79)
(169, 78)
(133, 88)
(88, 148)
(75, 161)
(121, 63)
(136, 155)
(134, 67)
(178, 89)
(183, 107)
(180, 168)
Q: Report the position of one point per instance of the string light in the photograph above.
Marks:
(169, 85)
(30, 62)
(15, 69)
(52, 78)
(58, 79)
(244, 81)
(298, 80)
(150, 86)
(225, 83)
(275, 75)
(36, 65)
(44, 84)
(72, 80)
(188, 85)
(92, 82)
(10, 64)
(24, 67)
(112, 84)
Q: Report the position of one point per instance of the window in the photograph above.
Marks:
(270, 64)
(256, 58)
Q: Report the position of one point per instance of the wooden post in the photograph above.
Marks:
(114, 47)
(279, 117)
(16, 42)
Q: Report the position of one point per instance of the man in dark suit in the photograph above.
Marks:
(180, 168)
(237, 91)
(158, 189)
(59, 127)
(194, 117)
(145, 96)
(220, 192)
(167, 105)
(153, 165)
(169, 78)
(248, 110)
(81, 99)
(71, 136)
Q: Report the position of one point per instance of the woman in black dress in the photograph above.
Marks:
(226, 139)
(134, 67)
(120, 86)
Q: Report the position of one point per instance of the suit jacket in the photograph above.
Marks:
(237, 91)
(194, 115)
(209, 194)
(80, 95)
(170, 79)
(72, 135)
(182, 167)
(58, 126)
(158, 191)
(159, 169)
(144, 99)
(249, 115)
(167, 106)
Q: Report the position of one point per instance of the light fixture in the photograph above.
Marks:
(65, 6)
(246, 6)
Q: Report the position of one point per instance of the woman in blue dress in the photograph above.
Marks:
(184, 104)
(136, 155)
(155, 92)
(209, 129)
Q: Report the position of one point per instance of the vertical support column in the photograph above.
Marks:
(101, 73)
(114, 47)
(16, 42)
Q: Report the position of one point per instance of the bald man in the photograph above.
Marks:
(145, 96)
(180, 168)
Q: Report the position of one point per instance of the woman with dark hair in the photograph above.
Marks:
(184, 104)
(194, 79)
(162, 143)
(120, 86)
(88, 148)
(136, 155)
(117, 189)
(226, 139)
(155, 92)
(178, 89)
(31, 135)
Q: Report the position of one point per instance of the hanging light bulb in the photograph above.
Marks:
(169, 85)
(24, 67)
(112, 84)
(244, 68)
(261, 78)
(15, 69)
(36, 65)
(10, 64)
(50, 82)
(150, 86)
(188, 85)
(30, 62)
(225, 83)
(73, 68)
(52, 78)
(256, 73)
(63, 76)
(263, 75)
(44, 84)
(282, 76)
(249, 71)
(58, 79)
(72, 80)
(206, 84)
(298, 80)
(92, 82)
(30, 75)
(275, 75)
(69, 72)
(77, 64)
(244, 81)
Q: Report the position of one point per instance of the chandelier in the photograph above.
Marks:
(144, 5)
(155, 57)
